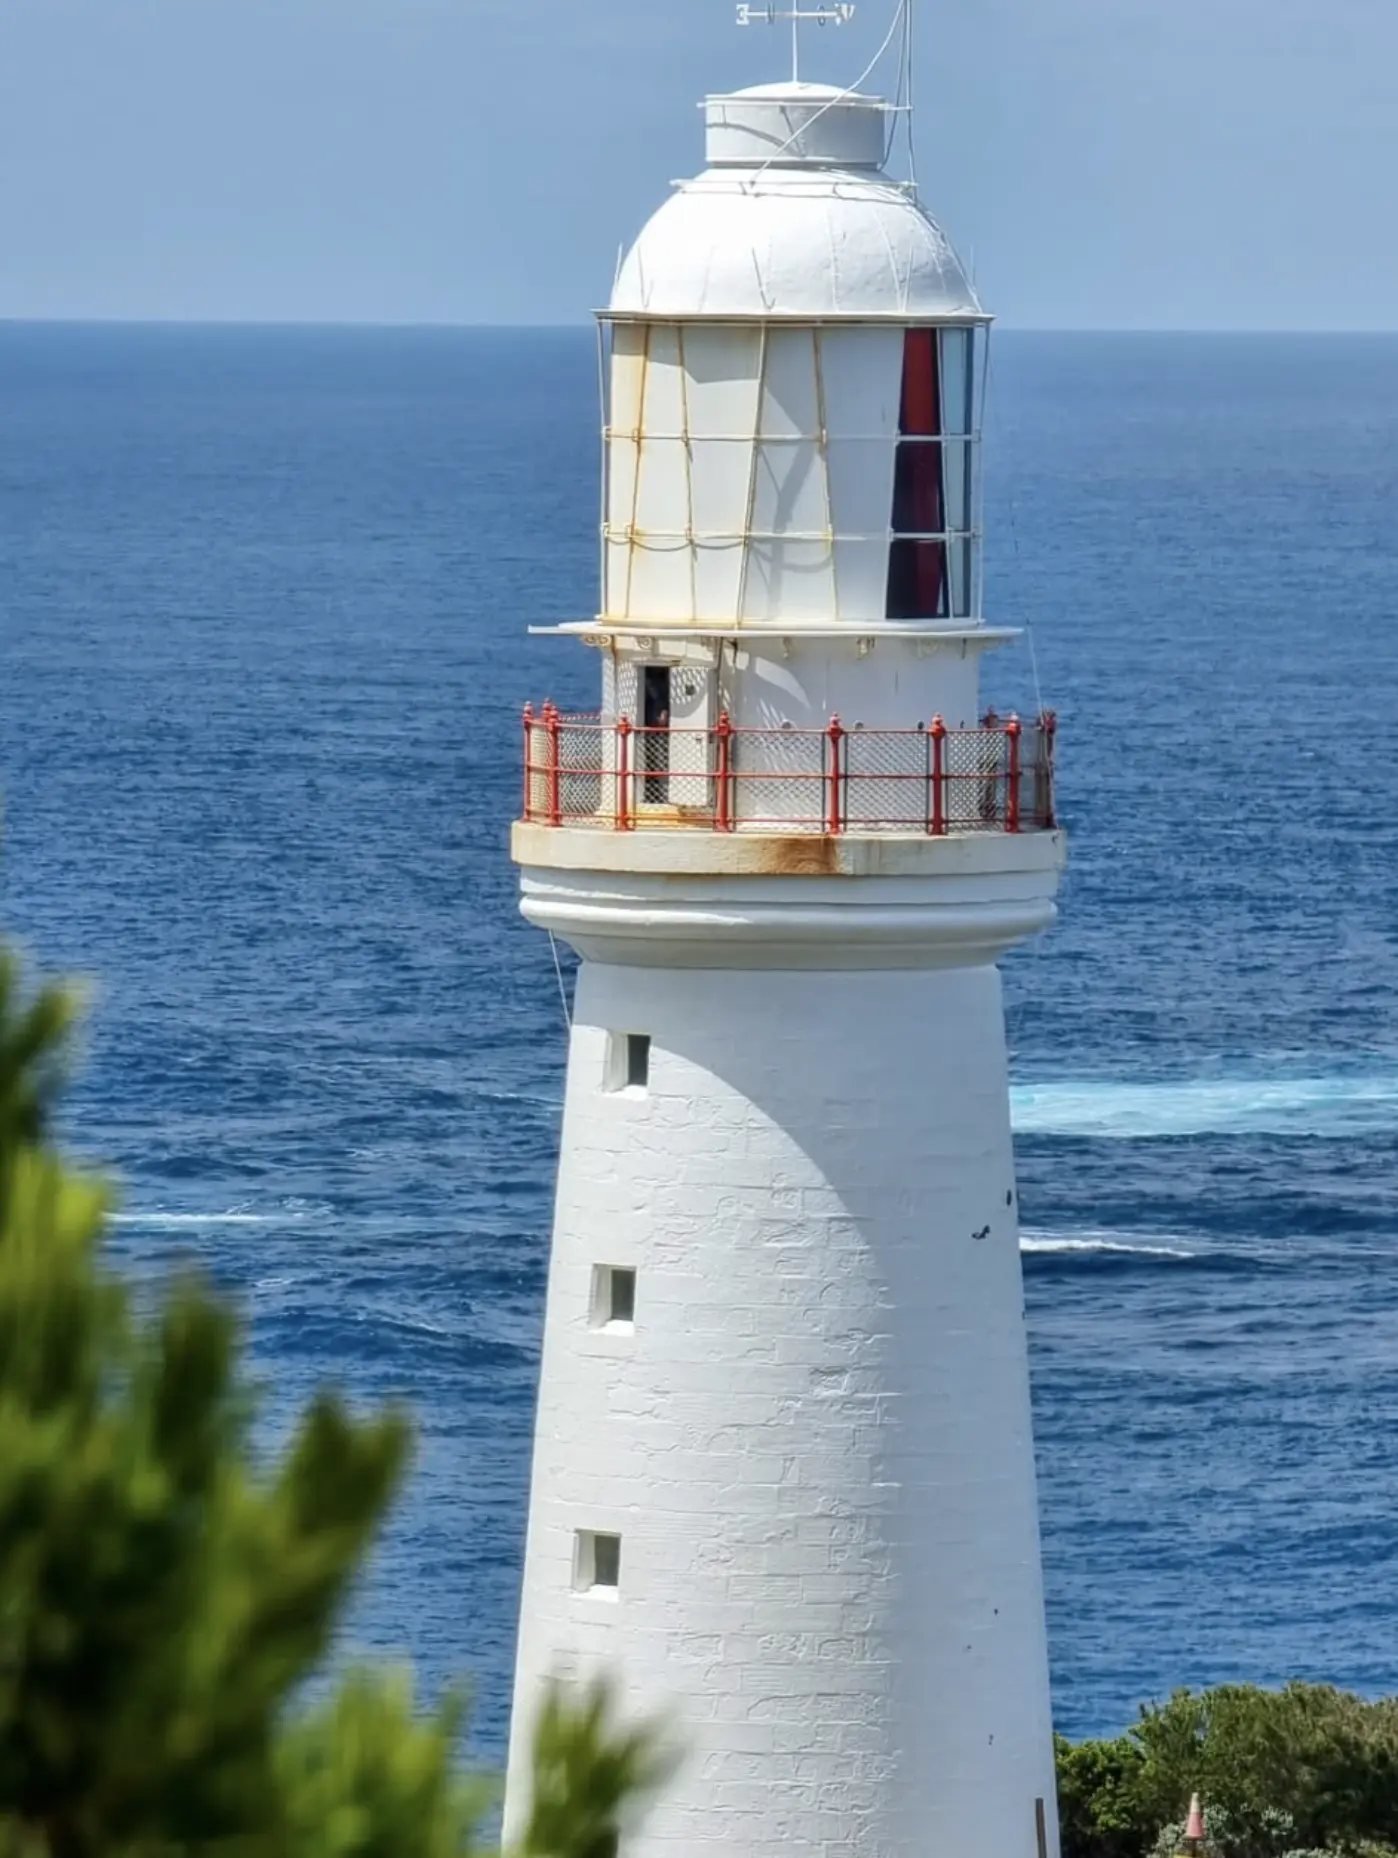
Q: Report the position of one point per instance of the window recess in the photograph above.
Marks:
(614, 1297)
(628, 1063)
(596, 1563)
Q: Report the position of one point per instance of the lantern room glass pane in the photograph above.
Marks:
(958, 347)
(790, 388)
(920, 413)
(931, 566)
(628, 374)
(956, 472)
(721, 367)
(959, 571)
(917, 579)
(917, 490)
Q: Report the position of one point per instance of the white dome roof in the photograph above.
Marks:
(783, 227)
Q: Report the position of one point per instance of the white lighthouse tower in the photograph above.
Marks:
(783, 1483)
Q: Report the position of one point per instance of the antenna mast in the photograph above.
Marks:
(836, 13)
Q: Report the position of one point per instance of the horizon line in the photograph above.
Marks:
(433, 326)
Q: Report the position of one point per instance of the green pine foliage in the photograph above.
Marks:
(589, 1778)
(165, 1594)
(1282, 1773)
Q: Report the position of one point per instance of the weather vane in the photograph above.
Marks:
(837, 13)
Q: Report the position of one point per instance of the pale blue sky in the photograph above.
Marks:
(1106, 163)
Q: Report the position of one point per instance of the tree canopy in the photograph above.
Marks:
(1307, 1768)
(167, 1590)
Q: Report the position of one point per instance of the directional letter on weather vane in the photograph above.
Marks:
(838, 13)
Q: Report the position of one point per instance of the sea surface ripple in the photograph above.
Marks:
(263, 599)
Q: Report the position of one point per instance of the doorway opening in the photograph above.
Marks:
(655, 741)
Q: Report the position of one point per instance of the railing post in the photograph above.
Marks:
(555, 800)
(937, 742)
(835, 735)
(1012, 734)
(528, 760)
(723, 772)
(623, 774)
(1048, 729)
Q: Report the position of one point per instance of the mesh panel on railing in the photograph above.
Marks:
(975, 768)
(537, 752)
(668, 770)
(885, 778)
(779, 778)
(580, 747)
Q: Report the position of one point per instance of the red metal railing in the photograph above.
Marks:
(590, 770)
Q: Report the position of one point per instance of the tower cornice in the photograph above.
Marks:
(701, 900)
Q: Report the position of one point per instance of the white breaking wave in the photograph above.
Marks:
(1105, 1242)
(1317, 1106)
(174, 1222)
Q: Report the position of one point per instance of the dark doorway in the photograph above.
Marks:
(655, 740)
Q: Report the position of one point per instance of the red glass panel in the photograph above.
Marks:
(917, 567)
(921, 413)
(917, 490)
(917, 573)
(931, 559)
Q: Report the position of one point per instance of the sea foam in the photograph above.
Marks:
(1114, 1245)
(176, 1222)
(1303, 1106)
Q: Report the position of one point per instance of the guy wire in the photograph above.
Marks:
(562, 990)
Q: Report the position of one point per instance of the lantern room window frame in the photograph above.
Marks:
(934, 554)
(950, 518)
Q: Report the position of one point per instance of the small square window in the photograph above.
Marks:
(613, 1297)
(596, 1563)
(628, 1062)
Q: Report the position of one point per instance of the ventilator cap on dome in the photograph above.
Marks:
(795, 125)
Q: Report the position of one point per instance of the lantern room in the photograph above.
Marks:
(791, 430)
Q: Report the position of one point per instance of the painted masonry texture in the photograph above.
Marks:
(815, 1447)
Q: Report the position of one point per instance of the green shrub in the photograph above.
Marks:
(1098, 1810)
(165, 1594)
(1301, 1769)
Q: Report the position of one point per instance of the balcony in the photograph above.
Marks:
(929, 780)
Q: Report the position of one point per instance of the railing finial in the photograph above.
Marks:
(937, 777)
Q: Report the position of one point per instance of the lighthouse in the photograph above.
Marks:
(783, 1485)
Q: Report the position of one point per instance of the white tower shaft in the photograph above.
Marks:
(814, 1439)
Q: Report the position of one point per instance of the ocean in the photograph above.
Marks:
(263, 600)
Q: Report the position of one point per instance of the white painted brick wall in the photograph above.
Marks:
(816, 1445)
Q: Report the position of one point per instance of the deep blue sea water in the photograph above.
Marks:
(263, 598)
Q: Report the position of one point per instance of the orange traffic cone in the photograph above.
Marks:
(1194, 1825)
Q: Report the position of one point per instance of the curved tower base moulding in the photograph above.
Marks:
(987, 896)
(788, 1498)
